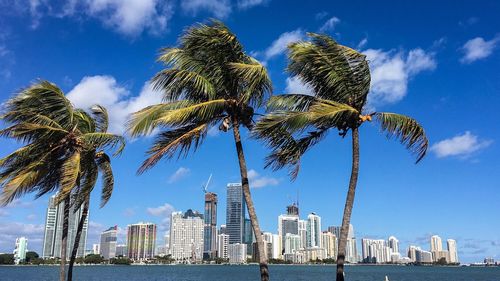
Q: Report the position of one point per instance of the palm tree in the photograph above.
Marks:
(59, 152)
(209, 81)
(340, 79)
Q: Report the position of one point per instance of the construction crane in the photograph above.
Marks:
(205, 187)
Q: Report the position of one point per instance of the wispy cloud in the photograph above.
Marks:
(280, 45)
(329, 25)
(181, 173)
(258, 181)
(218, 8)
(9, 231)
(106, 91)
(295, 86)
(478, 48)
(164, 211)
(246, 4)
(462, 145)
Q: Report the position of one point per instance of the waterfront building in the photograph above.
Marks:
(141, 241)
(54, 227)
(210, 226)
(166, 243)
(375, 251)
(329, 242)
(237, 253)
(235, 213)
(412, 253)
(222, 244)
(394, 244)
(351, 254)
(108, 243)
(288, 224)
(438, 255)
(452, 250)
(96, 249)
(292, 243)
(313, 231)
(423, 257)
(186, 236)
(20, 249)
(121, 250)
(436, 243)
(302, 225)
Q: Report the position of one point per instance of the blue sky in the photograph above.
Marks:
(437, 62)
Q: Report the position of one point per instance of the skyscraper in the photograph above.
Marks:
(313, 234)
(237, 253)
(20, 250)
(452, 250)
(235, 213)
(351, 254)
(329, 242)
(288, 223)
(394, 244)
(210, 226)
(375, 251)
(186, 236)
(303, 233)
(108, 243)
(141, 241)
(436, 243)
(222, 244)
(54, 227)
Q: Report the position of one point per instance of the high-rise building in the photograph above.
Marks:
(329, 242)
(96, 249)
(394, 244)
(20, 249)
(436, 243)
(166, 243)
(423, 257)
(412, 253)
(292, 210)
(235, 213)
(351, 254)
(452, 250)
(222, 244)
(288, 223)
(303, 233)
(313, 234)
(186, 236)
(210, 226)
(121, 250)
(141, 241)
(292, 243)
(248, 236)
(54, 228)
(237, 253)
(375, 251)
(222, 229)
(108, 243)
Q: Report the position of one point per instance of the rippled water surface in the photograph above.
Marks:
(247, 273)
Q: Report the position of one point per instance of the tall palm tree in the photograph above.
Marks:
(59, 151)
(208, 81)
(340, 79)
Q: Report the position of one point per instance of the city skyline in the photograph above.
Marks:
(432, 76)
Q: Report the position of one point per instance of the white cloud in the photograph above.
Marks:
(295, 86)
(478, 48)
(129, 212)
(219, 8)
(391, 71)
(133, 16)
(321, 15)
(105, 90)
(246, 4)
(258, 181)
(461, 145)
(179, 174)
(329, 25)
(362, 43)
(280, 45)
(164, 212)
(9, 231)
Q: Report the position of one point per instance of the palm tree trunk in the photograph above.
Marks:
(64, 241)
(77, 238)
(261, 255)
(346, 219)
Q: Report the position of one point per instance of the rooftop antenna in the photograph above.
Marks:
(205, 187)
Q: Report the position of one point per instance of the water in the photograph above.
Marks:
(247, 273)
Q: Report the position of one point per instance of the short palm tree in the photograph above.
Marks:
(209, 81)
(63, 151)
(340, 79)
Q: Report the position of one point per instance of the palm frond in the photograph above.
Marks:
(175, 83)
(290, 102)
(177, 140)
(98, 140)
(255, 81)
(69, 175)
(108, 181)
(198, 113)
(101, 117)
(407, 130)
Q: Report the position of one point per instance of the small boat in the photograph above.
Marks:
(386, 278)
